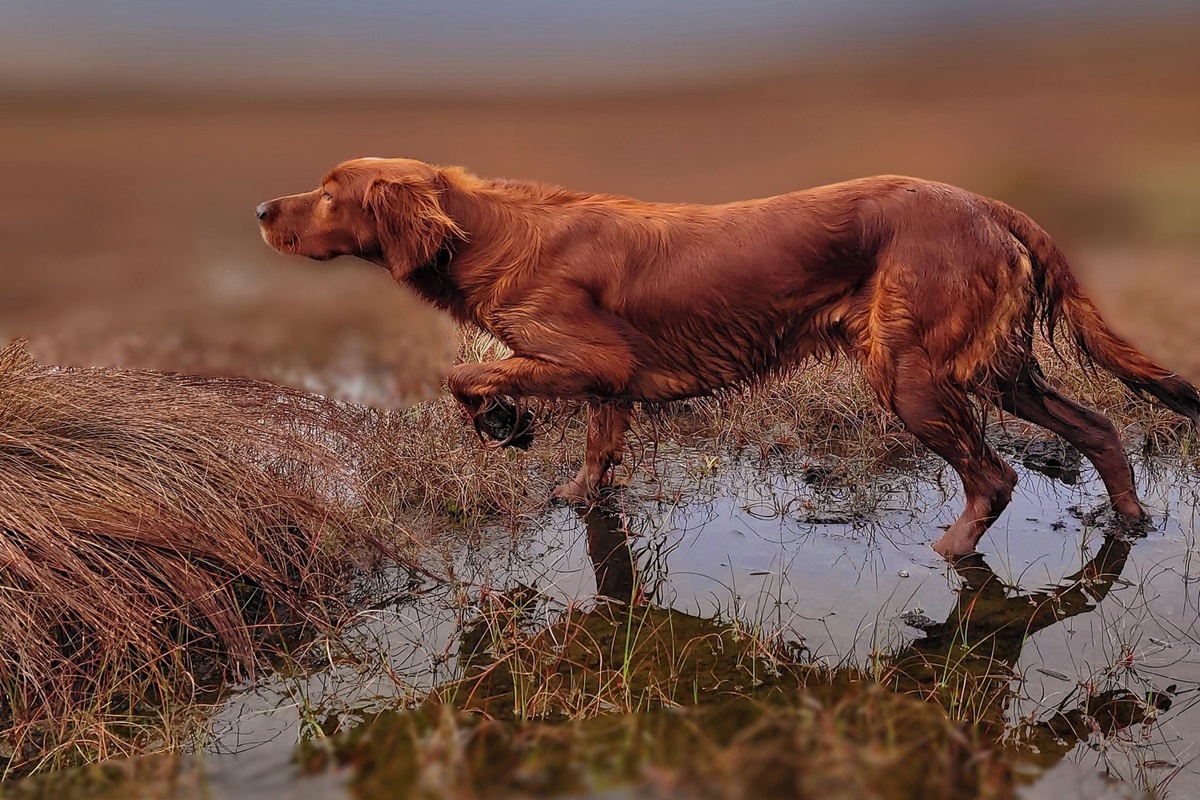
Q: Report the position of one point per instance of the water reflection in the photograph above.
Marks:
(966, 664)
(613, 559)
(691, 692)
(612, 688)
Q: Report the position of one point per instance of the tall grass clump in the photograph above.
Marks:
(155, 531)
(435, 471)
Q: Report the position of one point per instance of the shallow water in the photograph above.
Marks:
(843, 570)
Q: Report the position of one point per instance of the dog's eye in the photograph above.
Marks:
(326, 196)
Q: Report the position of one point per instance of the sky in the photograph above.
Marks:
(467, 43)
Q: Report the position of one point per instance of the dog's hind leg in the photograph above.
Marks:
(941, 415)
(1031, 398)
(607, 424)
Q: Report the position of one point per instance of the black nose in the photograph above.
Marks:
(263, 210)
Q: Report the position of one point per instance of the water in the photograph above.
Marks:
(842, 570)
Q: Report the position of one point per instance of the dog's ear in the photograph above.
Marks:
(411, 223)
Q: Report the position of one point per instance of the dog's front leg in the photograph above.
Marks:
(481, 387)
(607, 424)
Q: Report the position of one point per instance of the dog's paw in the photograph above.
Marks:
(500, 423)
(572, 493)
(1133, 528)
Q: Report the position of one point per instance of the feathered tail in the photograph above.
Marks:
(1062, 300)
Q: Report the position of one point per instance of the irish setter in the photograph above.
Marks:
(933, 290)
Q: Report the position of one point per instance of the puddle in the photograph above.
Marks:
(1081, 650)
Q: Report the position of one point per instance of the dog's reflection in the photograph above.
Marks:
(965, 664)
(991, 622)
(613, 559)
(969, 658)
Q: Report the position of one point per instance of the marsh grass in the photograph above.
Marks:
(161, 530)
(155, 531)
(436, 469)
(631, 697)
(614, 658)
(431, 469)
(854, 743)
(627, 697)
(822, 420)
(848, 744)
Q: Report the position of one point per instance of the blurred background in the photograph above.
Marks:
(137, 137)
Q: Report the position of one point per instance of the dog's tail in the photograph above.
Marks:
(1061, 299)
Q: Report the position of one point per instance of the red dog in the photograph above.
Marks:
(933, 290)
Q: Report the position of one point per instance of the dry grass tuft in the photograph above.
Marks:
(434, 470)
(153, 529)
(828, 408)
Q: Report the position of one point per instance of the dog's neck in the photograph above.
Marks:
(434, 282)
(467, 273)
(502, 240)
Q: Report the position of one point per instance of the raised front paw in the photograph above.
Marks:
(499, 422)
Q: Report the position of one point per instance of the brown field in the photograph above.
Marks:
(128, 233)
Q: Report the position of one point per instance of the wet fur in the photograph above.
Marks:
(933, 290)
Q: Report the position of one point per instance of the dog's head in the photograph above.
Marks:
(383, 210)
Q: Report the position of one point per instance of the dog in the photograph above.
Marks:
(934, 291)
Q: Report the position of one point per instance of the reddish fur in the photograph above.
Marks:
(933, 290)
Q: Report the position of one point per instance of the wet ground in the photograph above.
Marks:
(1079, 648)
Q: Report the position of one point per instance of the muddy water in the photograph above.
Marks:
(1065, 612)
